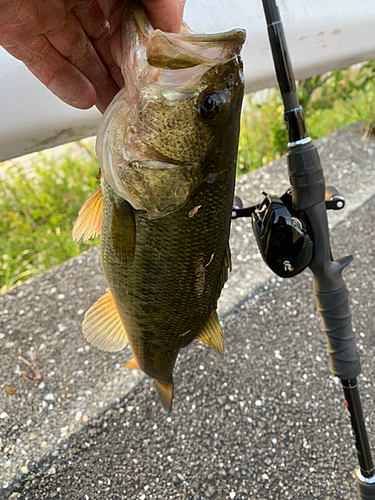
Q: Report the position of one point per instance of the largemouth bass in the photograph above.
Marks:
(167, 147)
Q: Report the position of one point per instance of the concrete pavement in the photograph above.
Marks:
(266, 422)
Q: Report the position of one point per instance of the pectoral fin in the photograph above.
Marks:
(89, 218)
(123, 231)
(165, 393)
(212, 334)
(103, 327)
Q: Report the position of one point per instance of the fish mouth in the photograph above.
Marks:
(174, 51)
(171, 59)
(175, 63)
(179, 51)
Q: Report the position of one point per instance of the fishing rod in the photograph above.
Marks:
(292, 234)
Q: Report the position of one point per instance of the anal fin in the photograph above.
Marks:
(89, 217)
(212, 334)
(102, 326)
(165, 393)
(131, 365)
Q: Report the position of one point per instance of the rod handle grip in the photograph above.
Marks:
(334, 310)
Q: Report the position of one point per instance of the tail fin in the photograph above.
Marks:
(165, 393)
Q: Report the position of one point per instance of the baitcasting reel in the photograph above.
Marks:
(283, 236)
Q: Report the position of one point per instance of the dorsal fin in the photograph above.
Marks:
(165, 393)
(89, 217)
(212, 334)
(103, 327)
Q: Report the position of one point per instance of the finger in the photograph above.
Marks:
(114, 12)
(105, 92)
(71, 41)
(165, 15)
(102, 46)
(116, 46)
(23, 21)
(96, 26)
(54, 71)
(111, 7)
(91, 17)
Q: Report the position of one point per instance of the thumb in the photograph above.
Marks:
(165, 15)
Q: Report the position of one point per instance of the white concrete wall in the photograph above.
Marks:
(321, 34)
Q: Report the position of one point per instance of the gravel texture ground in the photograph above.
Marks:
(266, 422)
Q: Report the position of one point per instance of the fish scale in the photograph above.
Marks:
(150, 291)
(167, 147)
(182, 138)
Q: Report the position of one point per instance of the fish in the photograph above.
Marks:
(167, 148)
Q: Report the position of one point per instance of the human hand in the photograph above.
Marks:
(66, 44)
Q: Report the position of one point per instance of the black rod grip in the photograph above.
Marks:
(337, 325)
(306, 176)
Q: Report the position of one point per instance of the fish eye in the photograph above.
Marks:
(210, 104)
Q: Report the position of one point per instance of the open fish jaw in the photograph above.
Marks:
(163, 71)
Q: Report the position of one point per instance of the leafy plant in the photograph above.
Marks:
(39, 202)
(263, 136)
(330, 101)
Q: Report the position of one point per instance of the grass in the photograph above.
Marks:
(39, 203)
(330, 102)
(40, 198)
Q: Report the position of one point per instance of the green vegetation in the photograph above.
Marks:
(40, 199)
(330, 101)
(39, 203)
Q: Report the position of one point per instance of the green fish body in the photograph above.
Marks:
(167, 148)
